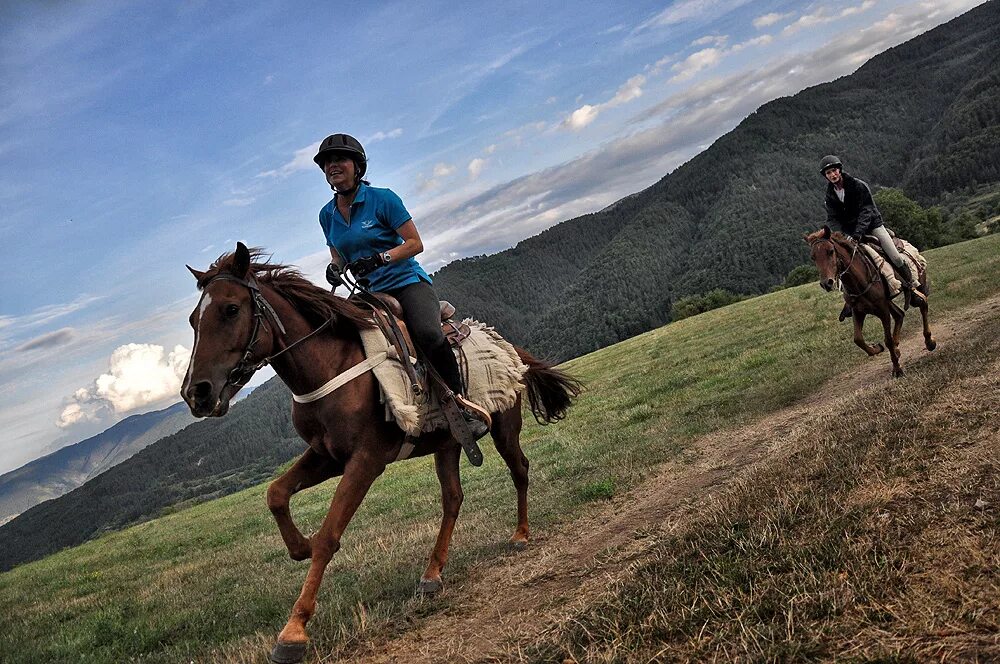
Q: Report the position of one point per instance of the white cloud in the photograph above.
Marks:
(695, 62)
(490, 149)
(768, 20)
(302, 160)
(384, 135)
(632, 89)
(239, 202)
(73, 414)
(443, 170)
(715, 40)
(138, 375)
(686, 10)
(583, 116)
(476, 167)
(823, 15)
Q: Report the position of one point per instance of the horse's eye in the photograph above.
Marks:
(231, 310)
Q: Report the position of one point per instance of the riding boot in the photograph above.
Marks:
(905, 276)
(477, 418)
(845, 313)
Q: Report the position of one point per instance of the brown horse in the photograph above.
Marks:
(839, 259)
(251, 314)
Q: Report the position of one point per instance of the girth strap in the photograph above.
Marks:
(342, 379)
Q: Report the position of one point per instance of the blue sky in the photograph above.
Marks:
(137, 137)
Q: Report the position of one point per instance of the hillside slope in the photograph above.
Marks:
(62, 471)
(214, 583)
(732, 216)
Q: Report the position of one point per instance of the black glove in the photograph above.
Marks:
(333, 274)
(367, 265)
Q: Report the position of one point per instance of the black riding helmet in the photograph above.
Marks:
(343, 144)
(828, 162)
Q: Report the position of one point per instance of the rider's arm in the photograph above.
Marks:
(412, 245)
(868, 213)
(336, 258)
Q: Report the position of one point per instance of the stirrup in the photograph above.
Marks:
(460, 430)
(477, 411)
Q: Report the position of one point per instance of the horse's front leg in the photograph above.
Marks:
(859, 335)
(890, 342)
(310, 469)
(360, 471)
(446, 461)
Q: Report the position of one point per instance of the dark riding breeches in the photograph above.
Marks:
(422, 314)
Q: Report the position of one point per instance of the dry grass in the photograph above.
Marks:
(875, 539)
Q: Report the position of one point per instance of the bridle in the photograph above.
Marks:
(871, 274)
(240, 374)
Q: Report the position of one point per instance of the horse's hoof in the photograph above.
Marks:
(898, 373)
(879, 348)
(931, 344)
(300, 555)
(429, 587)
(288, 653)
(517, 545)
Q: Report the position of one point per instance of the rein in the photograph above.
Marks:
(246, 368)
(847, 268)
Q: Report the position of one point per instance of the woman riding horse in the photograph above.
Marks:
(370, 232)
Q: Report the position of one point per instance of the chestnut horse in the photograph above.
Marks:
(251, 314)
(839, 259)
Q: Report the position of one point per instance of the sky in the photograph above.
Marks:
(136, 138)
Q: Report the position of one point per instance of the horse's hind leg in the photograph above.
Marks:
(897, 322)
(311, 469)
(897, 371)
(359, 473)
(859, 336)
(506, 434)
(446, 462)
(929, 342)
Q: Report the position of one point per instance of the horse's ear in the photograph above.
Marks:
(826, 232)
(242, 263)
(197, 275)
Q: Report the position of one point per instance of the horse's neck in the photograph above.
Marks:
(854, 262)
(317, 359)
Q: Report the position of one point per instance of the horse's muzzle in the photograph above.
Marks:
(827, 284)
(203, 401)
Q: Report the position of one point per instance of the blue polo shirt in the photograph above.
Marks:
(375, 215)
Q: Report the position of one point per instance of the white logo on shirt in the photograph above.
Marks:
(368, 224)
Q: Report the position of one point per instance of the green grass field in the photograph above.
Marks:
(213, 582)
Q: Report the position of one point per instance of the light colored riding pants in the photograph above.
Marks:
(887, 246)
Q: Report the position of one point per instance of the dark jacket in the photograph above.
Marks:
(857, 214)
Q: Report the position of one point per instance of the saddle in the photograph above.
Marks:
(915, 262)
(388, 315)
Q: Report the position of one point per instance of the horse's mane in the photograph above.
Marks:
(316, 304)
(836, 236)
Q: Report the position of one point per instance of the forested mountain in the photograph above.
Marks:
(923, 117)
(64, 470)
(209, 458)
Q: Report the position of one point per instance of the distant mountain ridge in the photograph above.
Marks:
(64, 470)
(209, 458)
(923, 116)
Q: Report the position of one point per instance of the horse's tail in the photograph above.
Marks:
(550, 391)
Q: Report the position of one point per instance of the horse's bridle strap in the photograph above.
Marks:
(342, 379)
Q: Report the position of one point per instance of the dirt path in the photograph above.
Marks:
(564, 569)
